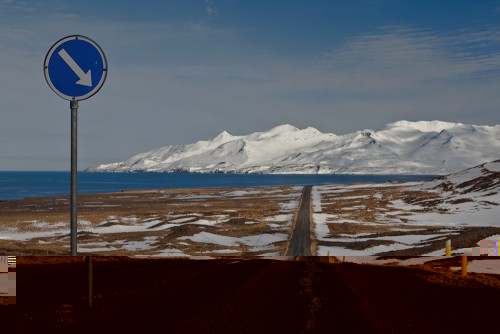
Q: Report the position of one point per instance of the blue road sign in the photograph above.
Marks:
(75, 67)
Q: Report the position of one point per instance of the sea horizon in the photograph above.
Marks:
(16, 185)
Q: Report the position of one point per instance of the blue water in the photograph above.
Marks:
(18, 185)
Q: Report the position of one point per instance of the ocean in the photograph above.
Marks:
(18, 185)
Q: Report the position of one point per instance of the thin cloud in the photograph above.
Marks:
(396, 57)
(210, 8)
(18, 6)
(10, 34)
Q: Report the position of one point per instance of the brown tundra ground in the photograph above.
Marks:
(353, 220)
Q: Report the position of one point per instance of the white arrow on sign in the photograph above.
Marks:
(85, 78)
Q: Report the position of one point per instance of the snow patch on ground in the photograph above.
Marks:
(290, 206)
(485, 217)
(354, 207)
(170, 252)
(482, 266)
(333, 250)
(316, 198)
(255, 241)
(14, 235)
(129, 245)
(400, 205)
(281, 217)
(493, 166)
(182, 220)
(224, 251)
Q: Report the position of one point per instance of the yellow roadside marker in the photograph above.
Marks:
(448, 247)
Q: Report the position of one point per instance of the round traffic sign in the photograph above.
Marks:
(75, 67)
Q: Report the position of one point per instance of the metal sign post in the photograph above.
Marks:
(75, 69)
(74, 182)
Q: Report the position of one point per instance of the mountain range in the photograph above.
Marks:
(403, 147)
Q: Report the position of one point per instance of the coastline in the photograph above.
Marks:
(22, 185)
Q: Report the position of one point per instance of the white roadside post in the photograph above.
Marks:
(75, 68)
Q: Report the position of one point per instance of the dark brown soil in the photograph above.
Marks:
(247, 296)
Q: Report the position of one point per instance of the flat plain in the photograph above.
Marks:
(384, 219)
(251, 221)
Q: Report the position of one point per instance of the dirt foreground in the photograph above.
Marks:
(238, 295)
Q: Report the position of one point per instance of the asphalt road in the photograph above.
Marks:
(248, 296)
(300, 243)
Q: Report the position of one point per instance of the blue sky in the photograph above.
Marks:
(185, 70)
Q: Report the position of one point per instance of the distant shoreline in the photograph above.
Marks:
(218, 173)
(22, 185)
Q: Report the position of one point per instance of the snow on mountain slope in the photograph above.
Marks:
(480, 181)
(425, 147)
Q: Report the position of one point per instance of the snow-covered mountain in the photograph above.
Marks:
(425, 147)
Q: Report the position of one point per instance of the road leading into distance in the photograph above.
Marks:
(300, 244)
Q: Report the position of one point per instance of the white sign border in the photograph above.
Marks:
(49, 56)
